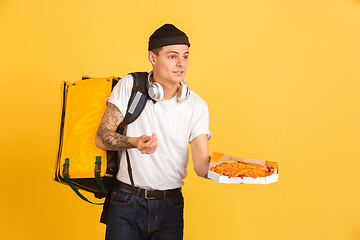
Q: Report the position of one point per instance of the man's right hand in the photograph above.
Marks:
(147, 144)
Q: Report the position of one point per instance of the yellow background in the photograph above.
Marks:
(281, 79)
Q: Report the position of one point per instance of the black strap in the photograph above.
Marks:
(130, 170)
(137, 101)
(139, 85)
(136, 104)
(124, 123)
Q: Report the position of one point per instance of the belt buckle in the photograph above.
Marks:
(146, 194)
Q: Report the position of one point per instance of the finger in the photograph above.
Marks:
(154, 144)
(153, 136)
(151, 150)
(150, 142)
(145, 138)
(148, 151)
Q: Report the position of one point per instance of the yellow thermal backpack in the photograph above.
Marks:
(80, 164)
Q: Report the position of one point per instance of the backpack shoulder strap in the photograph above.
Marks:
(137, 101)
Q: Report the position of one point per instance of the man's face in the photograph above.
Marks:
(171, 64)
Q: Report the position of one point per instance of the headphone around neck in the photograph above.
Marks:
(156, 91)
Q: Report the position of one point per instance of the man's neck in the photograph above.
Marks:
(170, 89)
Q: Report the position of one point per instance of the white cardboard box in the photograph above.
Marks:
(220, 157)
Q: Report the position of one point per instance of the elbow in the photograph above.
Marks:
(98, 142)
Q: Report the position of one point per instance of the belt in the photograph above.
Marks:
(148, 194)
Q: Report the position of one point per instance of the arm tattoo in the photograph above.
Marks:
(107, 130)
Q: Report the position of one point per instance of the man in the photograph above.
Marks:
(157, 143)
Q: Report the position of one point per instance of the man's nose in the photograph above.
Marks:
(180, 62)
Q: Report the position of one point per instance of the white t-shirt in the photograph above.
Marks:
(175, 123)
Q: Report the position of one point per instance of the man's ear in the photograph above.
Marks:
(152, 57)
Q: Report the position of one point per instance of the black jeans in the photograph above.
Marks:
(132, 218)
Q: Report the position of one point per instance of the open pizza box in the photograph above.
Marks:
(220, 157)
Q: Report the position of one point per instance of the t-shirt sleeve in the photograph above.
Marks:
(121, 93)
(200, 123)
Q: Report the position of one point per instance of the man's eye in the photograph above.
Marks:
(171, 57)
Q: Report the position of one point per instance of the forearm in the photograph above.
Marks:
(202, 167)
(200, 155)
(106, 136)
(110, 140)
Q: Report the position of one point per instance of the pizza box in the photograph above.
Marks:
(220, 157)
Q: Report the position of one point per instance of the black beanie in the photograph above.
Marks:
(166, 35)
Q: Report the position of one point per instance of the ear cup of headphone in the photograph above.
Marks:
(183, 92)
(155, 91)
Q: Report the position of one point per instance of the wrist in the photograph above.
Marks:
(133, 141)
